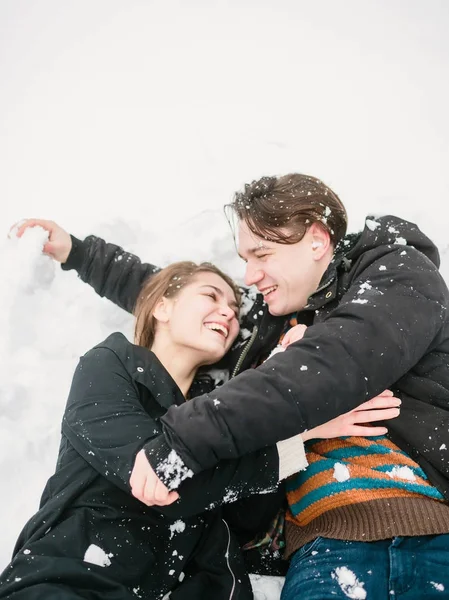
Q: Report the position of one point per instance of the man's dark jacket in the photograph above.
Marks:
(118, 395)
(380, 320)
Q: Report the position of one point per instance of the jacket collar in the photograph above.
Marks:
(146, 369)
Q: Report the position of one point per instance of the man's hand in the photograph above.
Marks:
(146, 485)
(382, 407)
(59, 241)
(293, 335)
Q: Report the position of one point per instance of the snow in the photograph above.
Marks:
(341, 472)
(177, 527)
(174, 468)
(349, 584)
(103, 138)
(437, 586)
(97, 556)
(372, 225)
(402, 473)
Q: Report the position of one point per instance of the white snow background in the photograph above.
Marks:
(137, 121)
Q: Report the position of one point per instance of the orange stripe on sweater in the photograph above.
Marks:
(326, 477)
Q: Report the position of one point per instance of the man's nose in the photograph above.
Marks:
(252, 276)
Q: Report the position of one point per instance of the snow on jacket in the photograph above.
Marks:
(92, 538)
(380, 321)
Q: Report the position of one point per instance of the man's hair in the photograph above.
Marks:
(281, 209)
(168, 283)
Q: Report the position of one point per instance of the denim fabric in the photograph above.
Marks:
(410, 568)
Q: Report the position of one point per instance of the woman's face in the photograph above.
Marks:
(203, 317)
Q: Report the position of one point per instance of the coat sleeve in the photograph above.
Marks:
(104, 419)
(112, 272)
(229, 481)
(382, 327)
(106, 424)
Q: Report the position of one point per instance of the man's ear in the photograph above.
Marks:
(162, 310)
(320, 240)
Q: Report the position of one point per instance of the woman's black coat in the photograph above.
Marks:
(118, 394)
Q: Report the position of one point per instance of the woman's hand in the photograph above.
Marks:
(59, 241)
(382, 407)
(146, 485)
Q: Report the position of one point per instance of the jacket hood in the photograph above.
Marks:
(388, 230)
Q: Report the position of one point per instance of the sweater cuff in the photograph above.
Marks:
(166, 463)
(76, 257)
(292, 456)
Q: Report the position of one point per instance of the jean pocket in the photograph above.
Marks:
(307, 549)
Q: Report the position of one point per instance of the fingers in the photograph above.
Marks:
(293, 335)
(371, 416)
(155, 493)
(367, 431)
(23, 225)
(146, 485)
(380, 401)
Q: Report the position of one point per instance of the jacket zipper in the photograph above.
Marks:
(227, 560)
(323, 287)
(245, 351)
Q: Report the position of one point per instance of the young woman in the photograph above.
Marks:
(92, 538)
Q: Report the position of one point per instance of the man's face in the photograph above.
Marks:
(286, 274)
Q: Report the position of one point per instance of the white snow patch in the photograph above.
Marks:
(218, 375)
(349, 584)
(266, 587)
(438, 586)
(371, 224)
(174, 469)
(402, 473)
(303, 368)
(364, 286)
(97, 556)
(359, 301)
(177, 527)
(382, 268)
(443, 447)
(400, 240)
(341, 472)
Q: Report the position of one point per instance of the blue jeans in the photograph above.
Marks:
(410, 568)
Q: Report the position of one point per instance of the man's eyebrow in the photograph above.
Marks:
(221, 293)
(260, 246)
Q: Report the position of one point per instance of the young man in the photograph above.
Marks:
(376, 307)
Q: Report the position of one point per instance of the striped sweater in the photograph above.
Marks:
(351, 470)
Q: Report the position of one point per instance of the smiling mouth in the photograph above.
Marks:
(267, 291)
(221, 329)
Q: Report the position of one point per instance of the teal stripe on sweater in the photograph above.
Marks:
(327, 464)
(416, 470)
(313, 469)
(354, 451)
(365, 483)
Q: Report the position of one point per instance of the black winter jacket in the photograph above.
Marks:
(119, 394)
(380, 320)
